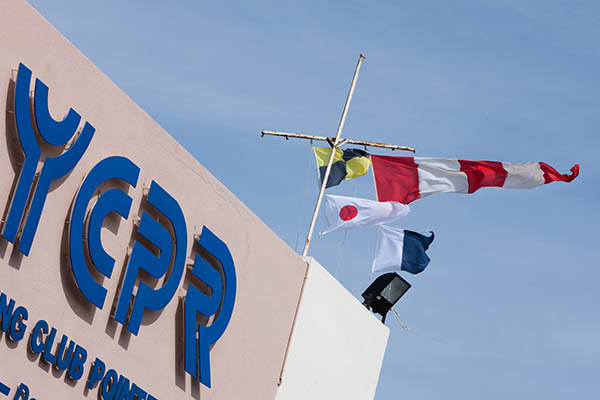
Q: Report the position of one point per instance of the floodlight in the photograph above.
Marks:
(384, 292)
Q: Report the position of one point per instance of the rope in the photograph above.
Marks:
(406, 328)
(376, 240)
(337, 268)
(302, 200)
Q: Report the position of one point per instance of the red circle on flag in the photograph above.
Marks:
(348, 212)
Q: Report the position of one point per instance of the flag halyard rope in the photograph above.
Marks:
(337, 268)
(406, 328)
(304, 195)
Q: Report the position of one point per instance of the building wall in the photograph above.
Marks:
(246, 362)
(337, 347)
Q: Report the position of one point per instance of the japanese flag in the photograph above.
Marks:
(350, 212)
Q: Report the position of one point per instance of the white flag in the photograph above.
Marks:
(398, 249)
(350, 212)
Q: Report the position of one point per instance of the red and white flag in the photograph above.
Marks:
(406, 179)
(351, 212)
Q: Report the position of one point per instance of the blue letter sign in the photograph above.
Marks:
(113, 200)
(157, 266)
(54, 133)
(220, 302)
(164, 260)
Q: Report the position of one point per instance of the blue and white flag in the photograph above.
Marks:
(398, 249)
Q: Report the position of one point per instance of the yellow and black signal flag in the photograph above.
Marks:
(347, 164)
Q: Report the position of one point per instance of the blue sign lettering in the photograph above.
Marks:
(164, 260)
(113, 200)
(114, 386)
(22, 393)
(12, 318)
(223, 286)
(142, 259)
(54, 133)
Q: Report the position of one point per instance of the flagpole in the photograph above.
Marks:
(331, 157)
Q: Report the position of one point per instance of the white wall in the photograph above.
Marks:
(337, 345)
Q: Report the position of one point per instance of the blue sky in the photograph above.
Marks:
(508, 307)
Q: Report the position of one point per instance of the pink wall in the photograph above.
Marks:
(246, 362)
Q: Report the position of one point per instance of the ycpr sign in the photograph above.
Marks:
(51, 149)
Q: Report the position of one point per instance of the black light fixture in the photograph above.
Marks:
(384, 292)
